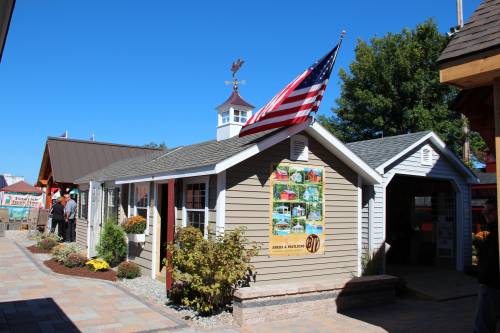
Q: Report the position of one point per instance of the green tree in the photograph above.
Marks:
(153, 144)
(393, 88)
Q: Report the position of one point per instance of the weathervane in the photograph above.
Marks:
(235, 67)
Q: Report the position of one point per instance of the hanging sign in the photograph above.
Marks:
(21, 199)
(297, 223)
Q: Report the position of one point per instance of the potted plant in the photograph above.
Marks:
(135, 227)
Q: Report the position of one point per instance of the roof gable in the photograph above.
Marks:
(21, 187)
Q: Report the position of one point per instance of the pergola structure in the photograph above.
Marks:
(471, 62)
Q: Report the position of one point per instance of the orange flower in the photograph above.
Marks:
(482, 235)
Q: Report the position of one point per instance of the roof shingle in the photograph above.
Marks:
(480, 33)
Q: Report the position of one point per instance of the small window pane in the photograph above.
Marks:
(142, 212)
(225, 117)
(196, 219)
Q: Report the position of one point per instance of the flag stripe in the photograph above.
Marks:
(297, 100)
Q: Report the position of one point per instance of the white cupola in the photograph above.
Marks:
(234, 112)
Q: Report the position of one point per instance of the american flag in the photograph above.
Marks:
(300, 97)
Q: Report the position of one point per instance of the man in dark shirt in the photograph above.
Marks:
(488, 306)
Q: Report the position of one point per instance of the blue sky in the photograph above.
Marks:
(139, 71)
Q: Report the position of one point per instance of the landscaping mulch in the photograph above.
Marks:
(56, 267)
(34, 249)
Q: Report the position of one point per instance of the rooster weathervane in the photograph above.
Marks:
(235, 67)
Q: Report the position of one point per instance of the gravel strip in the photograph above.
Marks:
(154, 291)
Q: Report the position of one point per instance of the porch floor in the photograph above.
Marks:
(439, 284)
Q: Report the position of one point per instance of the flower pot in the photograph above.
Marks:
(137, 238)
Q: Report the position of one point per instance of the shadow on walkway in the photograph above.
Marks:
(34, 315)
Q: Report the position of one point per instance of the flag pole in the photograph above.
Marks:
(342, 35)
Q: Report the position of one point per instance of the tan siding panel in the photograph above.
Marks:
(247, 204)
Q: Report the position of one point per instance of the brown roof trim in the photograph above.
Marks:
(5, 18)
(99, 143)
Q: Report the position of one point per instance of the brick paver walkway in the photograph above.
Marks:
(35, 300)
(32, 300)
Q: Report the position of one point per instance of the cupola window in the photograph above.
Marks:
(225, 117)
(240, 116)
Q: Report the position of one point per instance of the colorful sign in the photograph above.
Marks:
(297, 225)
(21, 199)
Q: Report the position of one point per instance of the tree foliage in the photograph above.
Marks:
(153, 144)
(393, 88)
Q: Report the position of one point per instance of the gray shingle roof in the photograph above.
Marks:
(480, 33)
(378, 151)
(198, 155)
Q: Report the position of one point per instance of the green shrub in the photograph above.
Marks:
(75, 260)
(61, 251)
(135, 225)
(128, 270)
(206, 271)
(112, 246)
(47, 241)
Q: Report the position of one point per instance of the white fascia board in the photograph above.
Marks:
(472, 179)
(194, 172)
(260, 146)
(339, 149)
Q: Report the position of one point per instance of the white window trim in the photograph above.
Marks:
(147, 205)
(196, 180)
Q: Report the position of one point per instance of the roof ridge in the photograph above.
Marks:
(390, 137)
(100, 143)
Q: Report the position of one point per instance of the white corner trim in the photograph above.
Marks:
(89, 210)
(339, 149)
(360, 225)
(221, 204)
(260, 146)
(153, 235)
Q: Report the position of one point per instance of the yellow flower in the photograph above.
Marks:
(97, 265)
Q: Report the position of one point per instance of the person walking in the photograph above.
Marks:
(70, 214)
(58, 218)
(488, 305)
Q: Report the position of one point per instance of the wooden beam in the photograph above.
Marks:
(170, 229)
(496, 98)
(473, 73)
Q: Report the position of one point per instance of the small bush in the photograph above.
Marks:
(113, 245)
(97, 265)
(61, 251)
(47, 241)
(207, 271)
(128, 270)
(75, 260)
(135, 225)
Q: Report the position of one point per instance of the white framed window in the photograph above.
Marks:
(141, 202)
(195, 208)
(240, 116)
(83, 202)
(426, 155)
(299, 150)
(111, 203)
(225, 117)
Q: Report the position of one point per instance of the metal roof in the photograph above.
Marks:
(376, 152)
(236, 99)
(21, 187)
(71, 159)
(481, 33)
(181, 158)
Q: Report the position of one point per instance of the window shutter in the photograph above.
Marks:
(299, 150)
(426, 155)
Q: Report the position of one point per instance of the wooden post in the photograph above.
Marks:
(496, 111)
(170, 228)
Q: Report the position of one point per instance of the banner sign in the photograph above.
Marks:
(297, 223)
(21, 200)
